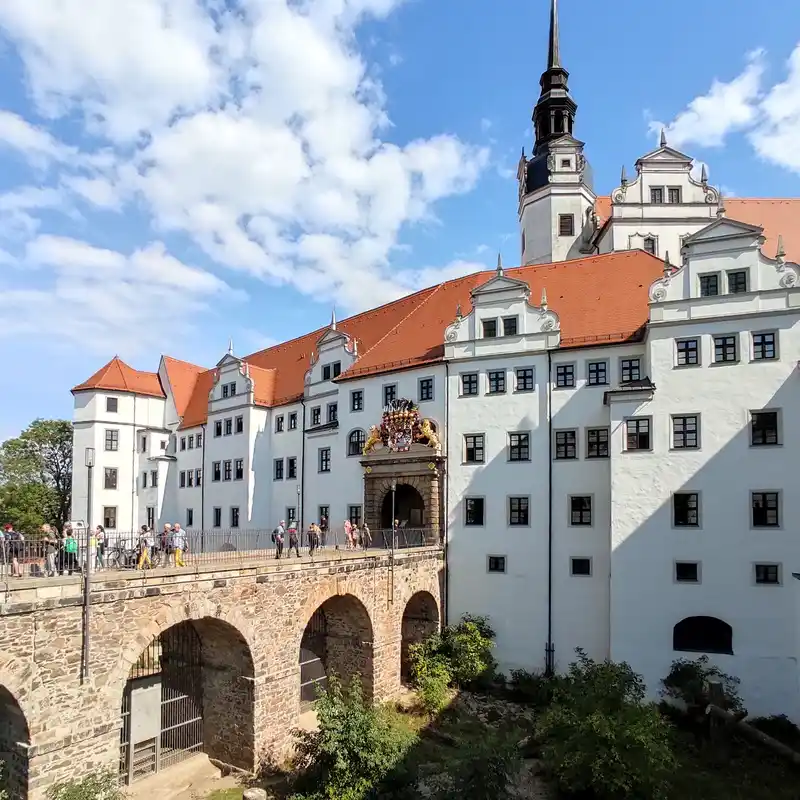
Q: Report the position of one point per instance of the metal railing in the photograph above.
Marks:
(37, 558)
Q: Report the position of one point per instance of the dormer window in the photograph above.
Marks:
(337, 369)
(657, 195)
(326, 372)
(565, 163)
(510, 327)
(566, 225)
(674, 195)
(228, 390)
(650, 245)
(489, 328)
(737, 281)
(709, 285)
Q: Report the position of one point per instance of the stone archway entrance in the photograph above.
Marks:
(407, 505)
(14, 740)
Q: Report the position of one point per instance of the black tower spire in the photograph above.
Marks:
(554, 113)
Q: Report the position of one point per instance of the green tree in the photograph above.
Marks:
(36, 474)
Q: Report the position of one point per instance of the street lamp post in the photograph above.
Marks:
(299, 515)
(87, 567)
(394, 490)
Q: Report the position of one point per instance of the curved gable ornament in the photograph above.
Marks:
(548, 320)
(401, 426)
(659, 289)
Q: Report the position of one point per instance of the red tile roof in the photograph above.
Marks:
(182, 377)
(117, 376)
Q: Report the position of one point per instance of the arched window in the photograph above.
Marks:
(355, 442)
(702, 635)
(650, 245)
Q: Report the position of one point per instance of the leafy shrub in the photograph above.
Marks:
(532, 688)
(687, 681)
(353, 749)
(432, 687)
(779, 727)
(3, 781)
(486, 769)
(101, 785)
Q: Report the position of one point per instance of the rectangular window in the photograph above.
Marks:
(597, 443)
(227, 470)
(580, 510)
(637, 434)
(112, 405)
(163, 444)
(687, 352)
(469, 384)
(291, 468)
(189, 479)
(154, 477)
(685, 510)
(581, 567)
(199, 439)
(709, 285)
(217, 517)
(474, 449)
(144, 445)
(233, 389)
(685, 430)
(565, 376)
(518, 511)
(357, 400)
(768, 574)
(110, 478)
(293, 421)
(337, 369)
(725, 349)
(764, 347)
(674, 195)
(109, 517)
(316, 415)
(183, 442)
(765, 509)
(656, 195)
(224, 391)
(216, 471)
(519, 447)
(630, 369)
(566, 225)
(238, 469)
(687, 572)
(510, 327)
(218, 428)
(191, 442)
(497, 382)
(189, 517)
(489, 328)
(496, 564)
(229, 426)
(333, 412)
(737, 281)
(389, 393)
(763, 428)
(473, 511)
(597, 373)
(425, 389)
(291, 514)
(234, 516)
(326, 372)
(279, 424)
(324, 459)
(650, 245)
(566, 445)
(198, 477)
(112, 440)
(182, 479)
(151, 516)
(277, 472)
(324, 514)
(354, 514)
(525, 379)
(144, 480)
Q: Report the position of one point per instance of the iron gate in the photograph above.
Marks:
(162, 706)
(312, 659)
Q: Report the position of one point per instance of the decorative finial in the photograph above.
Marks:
(667, 265)
(230, 346)
(499, 264)
(543, 304)
(721, 208)
(523, 153)
(663, 142)
(554, 54)
(623, 177)
(704, 175)
(781, 254)
(333, 319)
(458, 311)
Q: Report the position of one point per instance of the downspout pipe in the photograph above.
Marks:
(549, 660)
(302, 509)
(445, 523)
(203, 486)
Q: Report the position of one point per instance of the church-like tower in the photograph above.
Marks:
(556, 198)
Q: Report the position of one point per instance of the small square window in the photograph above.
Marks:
(581, 567)
(597, 373)
(656, 195)
(687, 572)
(473, 511)
(764, 428)
(685, 510)
(279, 424)
(765, 509)
(333, 412)
(737, 281)
(566, 225)
(324, 459)
(764, 348)
(425, 389)
(112, 405)
(497, 382)
(709, 285)
(110, 478)
(217, 517)
(580, 510)
(768, 574)
(357, 400)
(509, 326)
(293, 421)
(489, 328)
(637, 433)
(109, 517)
(277, 472)
(326, 372)
(469, 384)
(233, 389)
(565, 163)
(525, 379)
(519, 447)
(565, 376)
(228, 427)
(674, 195)
(495, 563)
(316, 415)
(597, 443)
(687, 352)
(726, 349)
(354, 514)
(630, 369)
(685, 432)
(474, 448)
(566, 445)
(518, 511)
(389, 393)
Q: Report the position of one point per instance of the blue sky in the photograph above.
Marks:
(177, 172)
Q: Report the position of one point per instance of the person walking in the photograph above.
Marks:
(277, 538)
(166, 544)
(178, 544)
(323, 530)
(312, 536)
(348, 535)
(145, 539)
(366, 536)
(70, 552)
(50, 550)
(100, 552)
(15, 543)
(294, 539)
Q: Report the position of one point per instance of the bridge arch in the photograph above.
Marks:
(14, 742)
(420, 621)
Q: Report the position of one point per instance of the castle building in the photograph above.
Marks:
(612, 449)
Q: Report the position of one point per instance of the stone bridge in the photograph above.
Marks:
(212, 660)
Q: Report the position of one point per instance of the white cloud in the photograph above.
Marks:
(486, 123)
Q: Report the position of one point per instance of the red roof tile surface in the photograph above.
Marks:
(182, 378)
(117, 376)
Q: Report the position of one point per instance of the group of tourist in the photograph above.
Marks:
(58, 550)
(356, 536)
(162, 550)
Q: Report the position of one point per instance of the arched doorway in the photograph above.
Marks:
(190, 691)
(14, 741)
(337, 640)
(420, 621)
(702, 635)
(409, 507)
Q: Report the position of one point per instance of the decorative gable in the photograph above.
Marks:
(335, 352)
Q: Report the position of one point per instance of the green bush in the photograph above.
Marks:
(354, 748)
(432, 687)
(532, 688)
(485, 769)
(687, 681)
(101, 785)
(779, 727)
(3, 781)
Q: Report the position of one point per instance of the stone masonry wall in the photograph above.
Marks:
(251, 621)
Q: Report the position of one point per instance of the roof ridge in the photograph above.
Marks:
(183, 361)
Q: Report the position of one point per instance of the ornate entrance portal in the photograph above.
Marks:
(405, 505)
